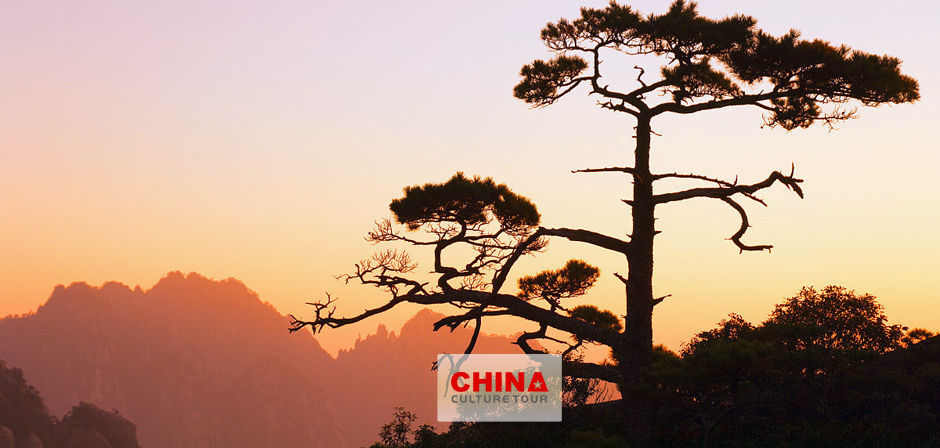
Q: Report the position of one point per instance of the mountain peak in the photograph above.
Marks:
(177, 360)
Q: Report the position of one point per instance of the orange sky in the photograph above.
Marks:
(257, 141)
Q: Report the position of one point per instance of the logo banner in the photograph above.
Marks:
(499, 388)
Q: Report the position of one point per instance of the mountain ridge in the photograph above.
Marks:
(194, 361)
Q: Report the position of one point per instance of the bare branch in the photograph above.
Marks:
(523, 340)
(533, 243)
(475, 337)
(587, 236)
(632, 100)
(639, 77)
(385, 231)
(736, 238)
(571, 86)
(659, 300)
(720, 182)
(324, 316)
(621, 278)
(724, 192)
(507, 305)
(613, 169)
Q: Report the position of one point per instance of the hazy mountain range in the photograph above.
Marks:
(200, 363)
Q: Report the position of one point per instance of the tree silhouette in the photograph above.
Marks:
(395, 434)
(834, 319)
(821, 362)
(915, 336)
(707, 64)
(828, 329)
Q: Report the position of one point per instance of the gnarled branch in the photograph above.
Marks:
(736, 238)
(719, 182)
(727, 191)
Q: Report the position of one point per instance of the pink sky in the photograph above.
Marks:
(260, 141)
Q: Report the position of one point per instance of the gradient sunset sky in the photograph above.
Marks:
(260, 140)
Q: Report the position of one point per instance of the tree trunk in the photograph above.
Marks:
(638, 334)
(635, 352)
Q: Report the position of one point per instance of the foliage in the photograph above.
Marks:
(738, 385)
(593, 315)
(813, 369)
(713, 64)
(467, 202)
(823, 329)
(835, 319)
(728, 329)
(395, 434)
(916, 335)
(573, 280)
(576, 390)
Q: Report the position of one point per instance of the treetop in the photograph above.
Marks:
(712, 64)
(467, 202)
(572, 280)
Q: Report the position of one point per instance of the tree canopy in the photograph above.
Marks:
(834, 318)
(830, 328)
(466, 202)
(712, 64)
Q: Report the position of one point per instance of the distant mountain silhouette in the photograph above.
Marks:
(194, 362)
(200, 363)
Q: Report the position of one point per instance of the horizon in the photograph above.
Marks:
(241, 141)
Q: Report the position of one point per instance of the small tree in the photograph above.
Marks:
(915, 336)
(834, 319)
(395, 434)
(826, 330)
(706, 65)
(793, 369)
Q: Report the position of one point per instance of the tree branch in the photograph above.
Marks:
(613, 169)
(587, 236)
(587, 370)
(742, 100)
(607, 93)
(509, 304)
(720, 182)
(515, 306)
(736, 238)
(724, 192)
(327, 320)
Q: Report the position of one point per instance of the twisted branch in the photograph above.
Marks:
(722, 191)
(736, 238)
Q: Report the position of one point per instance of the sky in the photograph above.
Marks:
(261, 140)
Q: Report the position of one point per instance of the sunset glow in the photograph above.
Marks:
(260, 141)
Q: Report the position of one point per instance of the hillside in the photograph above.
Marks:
(192, 361)
(25, 422)
(201, 363)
